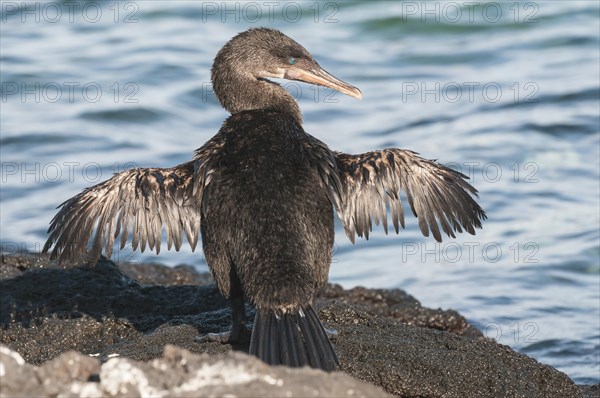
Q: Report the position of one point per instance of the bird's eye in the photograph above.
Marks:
(292, 61)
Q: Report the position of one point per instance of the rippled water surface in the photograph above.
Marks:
(507, 92)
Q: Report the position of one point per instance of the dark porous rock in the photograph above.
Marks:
(156, 274)
(404, 307)
(413, 361)
(591, 391)
(125, 316)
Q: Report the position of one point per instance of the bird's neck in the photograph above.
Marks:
(238, 93)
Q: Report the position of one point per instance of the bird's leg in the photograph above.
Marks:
(238, 332)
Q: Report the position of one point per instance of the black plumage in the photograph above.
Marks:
(263, 193)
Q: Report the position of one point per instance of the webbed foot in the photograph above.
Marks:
(239, 334)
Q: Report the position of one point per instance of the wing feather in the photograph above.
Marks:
(137, 202)
(441, 198)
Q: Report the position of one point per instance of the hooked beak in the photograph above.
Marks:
(321, 77)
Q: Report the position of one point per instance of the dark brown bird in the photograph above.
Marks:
(263, 193)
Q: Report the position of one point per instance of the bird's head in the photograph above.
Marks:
(261, 53)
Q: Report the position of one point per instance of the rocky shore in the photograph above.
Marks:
(130, 330)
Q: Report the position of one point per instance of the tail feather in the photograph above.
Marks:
(284, 349)
(327, 350)
(311, 346)
(266, 350)
(273, 349)
(292, 339)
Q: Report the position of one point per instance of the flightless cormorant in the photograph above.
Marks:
(263, 193)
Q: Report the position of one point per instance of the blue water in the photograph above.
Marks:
(507, 92)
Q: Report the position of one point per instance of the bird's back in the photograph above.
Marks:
(265, 211)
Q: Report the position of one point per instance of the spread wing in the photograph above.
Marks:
(437, 195)
(140, 201)
(137, 202)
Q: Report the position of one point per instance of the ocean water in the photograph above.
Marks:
(507, 92)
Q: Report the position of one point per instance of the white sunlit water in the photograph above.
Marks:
(513, 102)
